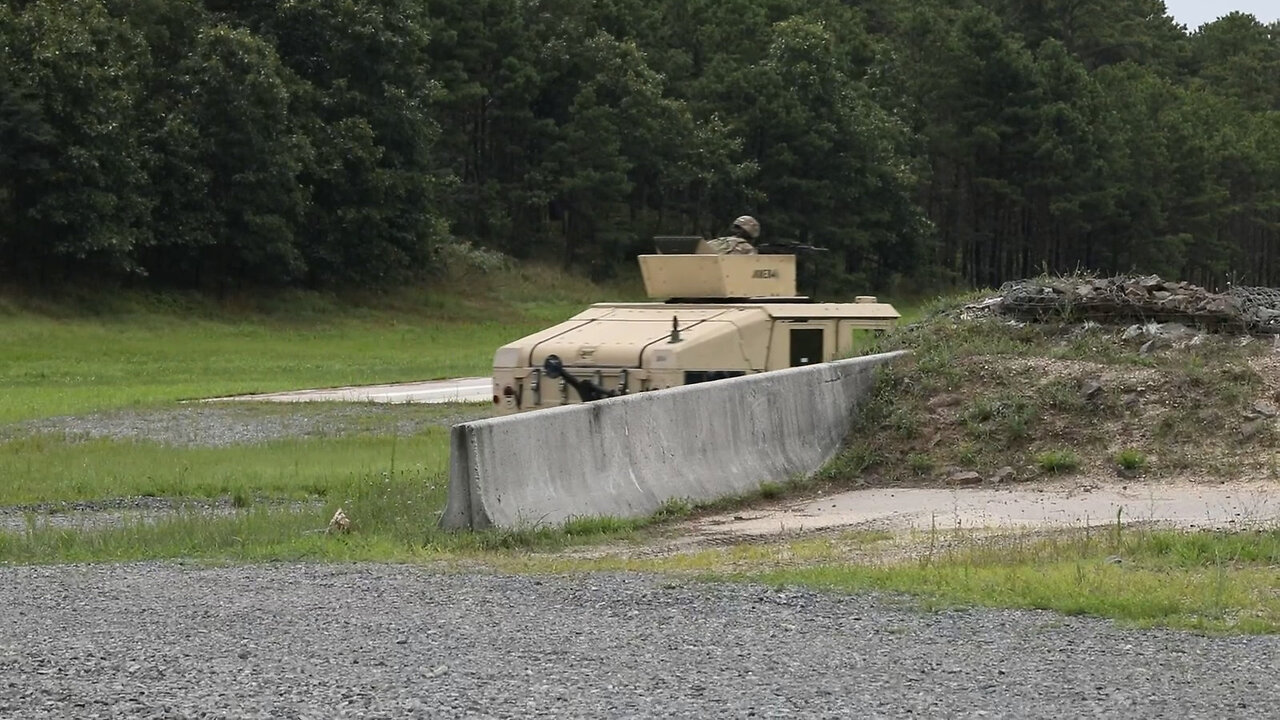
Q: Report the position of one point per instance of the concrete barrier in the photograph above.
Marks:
(625, 457)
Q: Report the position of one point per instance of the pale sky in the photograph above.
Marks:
(1194, 13)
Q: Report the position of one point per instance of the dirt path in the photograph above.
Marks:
(1057, 505)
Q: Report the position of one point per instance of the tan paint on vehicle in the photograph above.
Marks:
(712, 316)
(708, 275)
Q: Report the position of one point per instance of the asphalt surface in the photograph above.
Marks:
(217, 425)
(457, 390)
(298, 641)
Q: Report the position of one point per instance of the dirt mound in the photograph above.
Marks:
(985, 399)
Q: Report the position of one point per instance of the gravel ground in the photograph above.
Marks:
(89, 515)
(224, 424)
(298, 641)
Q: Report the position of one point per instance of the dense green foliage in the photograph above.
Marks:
(319, 142)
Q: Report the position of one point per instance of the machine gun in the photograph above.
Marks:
(788, 249)
(807, 263)
(586, 389)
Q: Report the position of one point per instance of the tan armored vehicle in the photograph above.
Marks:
(714, 316)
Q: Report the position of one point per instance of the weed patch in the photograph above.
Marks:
(1057, 461)
(1202, 581)
(673, 509)
(771, 490)
(1003, 417)
(598, 526)
(1130, 459)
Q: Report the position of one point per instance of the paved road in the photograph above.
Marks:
(366, 641)
(458, 390)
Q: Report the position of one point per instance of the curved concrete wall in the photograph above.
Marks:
(626, 456)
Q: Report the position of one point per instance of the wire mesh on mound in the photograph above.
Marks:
(1259, 308)
(1141, 299)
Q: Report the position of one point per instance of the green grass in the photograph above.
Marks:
(73, 366)
(1056, 461)
(81, 354)
(272, 500)
(103, 351)
(394, 516)
(1201, 581)
(42, 469)
(1216, 582)
(1005, 415)
(1130, 459)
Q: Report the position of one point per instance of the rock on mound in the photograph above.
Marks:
(1125, 299)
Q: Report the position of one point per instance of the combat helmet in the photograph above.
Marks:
(748, 225)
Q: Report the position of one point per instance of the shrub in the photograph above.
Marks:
(1055, 461)
(1130, 459)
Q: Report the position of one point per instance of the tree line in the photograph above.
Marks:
(212, 144)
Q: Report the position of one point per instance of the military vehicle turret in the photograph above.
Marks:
(712, 316)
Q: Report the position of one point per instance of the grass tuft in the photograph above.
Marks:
(1057, 461)
(598, 526)
(673, 509)
(1130, 459)
(772, 490)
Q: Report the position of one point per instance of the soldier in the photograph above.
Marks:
(738, 242)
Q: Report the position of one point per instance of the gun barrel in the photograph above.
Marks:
(586, 389)
(784, 248)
